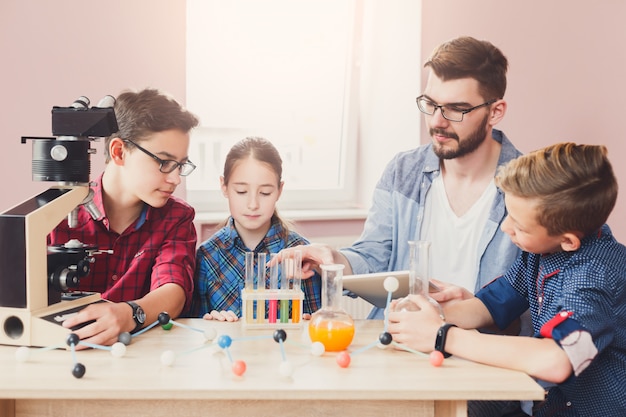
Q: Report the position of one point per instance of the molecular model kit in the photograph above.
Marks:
(222, 343)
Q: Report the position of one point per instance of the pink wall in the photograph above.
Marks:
(55, 51)
(566, 70)
(565, 80)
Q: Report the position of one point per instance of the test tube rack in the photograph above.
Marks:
(265, 300)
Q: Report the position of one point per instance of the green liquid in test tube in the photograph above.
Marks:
(260, 287)
(249, 285)
(284, 287)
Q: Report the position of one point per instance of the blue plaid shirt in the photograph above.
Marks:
(589, 283)
(220, 270)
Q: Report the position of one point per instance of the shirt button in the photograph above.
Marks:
(114, 277)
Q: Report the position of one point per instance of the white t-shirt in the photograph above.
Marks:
(454, 240)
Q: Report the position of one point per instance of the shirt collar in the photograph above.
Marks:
(97, 196)
(98, 202)
(231, 237)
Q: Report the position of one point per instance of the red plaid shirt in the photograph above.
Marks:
(157, 249)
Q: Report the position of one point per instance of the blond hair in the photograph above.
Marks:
(573, 185)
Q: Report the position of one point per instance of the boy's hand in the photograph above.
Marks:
(101, 323)
(416, 329)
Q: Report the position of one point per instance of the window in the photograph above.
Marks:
(285, 70)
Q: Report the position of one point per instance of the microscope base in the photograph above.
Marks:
(41, 328)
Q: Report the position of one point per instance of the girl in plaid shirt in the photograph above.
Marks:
(252, 184)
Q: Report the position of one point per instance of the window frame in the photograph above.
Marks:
(345, 194)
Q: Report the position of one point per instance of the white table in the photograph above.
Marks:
(378, 382)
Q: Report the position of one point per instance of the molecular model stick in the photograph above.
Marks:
(344, 358)
(224, 342)
(118, 349)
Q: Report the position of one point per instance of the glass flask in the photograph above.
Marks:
(331, 325)
(419, 252)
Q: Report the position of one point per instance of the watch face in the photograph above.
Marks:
(141, 315)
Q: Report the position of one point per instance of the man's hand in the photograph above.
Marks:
(313, 256)
(449, 293)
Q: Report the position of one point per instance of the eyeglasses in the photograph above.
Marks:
(451, 113)
(167, 165)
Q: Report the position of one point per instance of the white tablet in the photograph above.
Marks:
(371, 288)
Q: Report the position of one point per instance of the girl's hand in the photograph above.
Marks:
(224, 315)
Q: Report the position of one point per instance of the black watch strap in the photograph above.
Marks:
(138, 315)
(440, 341)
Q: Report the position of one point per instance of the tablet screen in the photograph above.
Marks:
(370, 287)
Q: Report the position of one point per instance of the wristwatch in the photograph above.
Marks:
(440, 341)
(138, 315)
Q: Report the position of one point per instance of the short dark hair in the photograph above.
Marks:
(142, 113)
(466, 57)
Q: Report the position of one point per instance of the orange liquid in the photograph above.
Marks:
(334, 335)
(295, 311)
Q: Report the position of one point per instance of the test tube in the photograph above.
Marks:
(249, 286)
(296, 305)
(284, 288)
(273, 303)
(260, 286)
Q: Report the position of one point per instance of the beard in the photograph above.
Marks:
(465, 146)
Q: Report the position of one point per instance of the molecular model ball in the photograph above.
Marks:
(118, 349)
(224, 342)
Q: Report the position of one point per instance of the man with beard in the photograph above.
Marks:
(444, 191)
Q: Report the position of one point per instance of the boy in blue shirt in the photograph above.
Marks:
(571, 274)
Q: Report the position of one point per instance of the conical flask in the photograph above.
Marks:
(331, 325)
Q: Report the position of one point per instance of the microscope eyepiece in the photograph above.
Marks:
(81, 102)
(106, 101)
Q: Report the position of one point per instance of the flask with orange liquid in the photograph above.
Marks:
(331, 325)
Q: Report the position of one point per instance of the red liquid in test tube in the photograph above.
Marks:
(273, 302)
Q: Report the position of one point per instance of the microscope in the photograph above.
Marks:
(38, 282)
